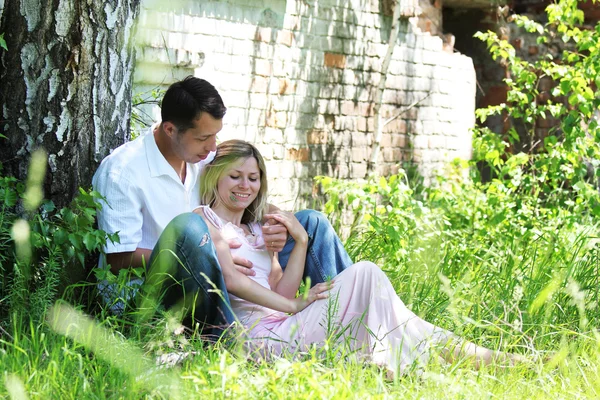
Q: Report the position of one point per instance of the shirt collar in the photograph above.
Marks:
(157, 163)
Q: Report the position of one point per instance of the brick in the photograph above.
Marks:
(263, 35)
(345, 123)
(273, 135)
(517, 43)
(291, 22)
(359, 154)
(262, 67)
(348, 108)
(360, 140)
(384, 169)
(420, 142)
(358, 170)
(286, 86)
(386, 140)
(259, 84)
(278, 152)
(370, 124)
(437, 142)
(361, 124)
(300, 154)
(494, 96)
(365, 109)
(258, 100)
(285, 38)
(399, 140)
(317, 136)
(395, 126)
(416, 156)
(334, 60)
(391, 154)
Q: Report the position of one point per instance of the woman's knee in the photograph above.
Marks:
(366, 269)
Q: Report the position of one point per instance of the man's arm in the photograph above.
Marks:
(136, 259)
(120, 213)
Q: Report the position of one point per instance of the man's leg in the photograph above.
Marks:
(326, 256)
(184, 275)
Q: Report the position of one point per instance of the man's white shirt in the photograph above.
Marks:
(144, 193)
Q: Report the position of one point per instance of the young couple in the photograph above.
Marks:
(201, 256)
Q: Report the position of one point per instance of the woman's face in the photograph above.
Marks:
(240, 184)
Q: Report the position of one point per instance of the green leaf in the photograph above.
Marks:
(3, 45)
(48, 206)
(89, 240)
(9, 197)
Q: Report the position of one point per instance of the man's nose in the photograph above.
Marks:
(212, 145)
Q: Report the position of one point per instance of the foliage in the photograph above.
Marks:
(518, 251)
(54, 239)
(140, 119)
(561, 168)
(3, 42)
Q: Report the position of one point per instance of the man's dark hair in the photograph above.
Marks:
(185, 100)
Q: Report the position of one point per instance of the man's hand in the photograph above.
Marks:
(241, 264)
(275, 235)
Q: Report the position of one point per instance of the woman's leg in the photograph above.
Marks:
(479, 356)
(184, 275)
(326, 256)
(365, 316)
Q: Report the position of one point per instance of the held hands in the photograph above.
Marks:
(317, 292)
(278, 225)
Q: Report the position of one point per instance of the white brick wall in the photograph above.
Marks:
(299, 78)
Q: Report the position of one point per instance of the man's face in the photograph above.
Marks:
(194, 144)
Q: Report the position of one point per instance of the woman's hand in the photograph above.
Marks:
(291, 223)
(317, 292)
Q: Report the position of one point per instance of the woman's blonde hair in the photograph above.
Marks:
(228, 153)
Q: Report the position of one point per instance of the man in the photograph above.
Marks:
(151, 185)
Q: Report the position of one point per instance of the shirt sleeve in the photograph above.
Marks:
(121, 212)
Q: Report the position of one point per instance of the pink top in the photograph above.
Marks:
(252, 248)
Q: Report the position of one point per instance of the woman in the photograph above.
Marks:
(359, 308)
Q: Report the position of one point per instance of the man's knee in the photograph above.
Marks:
(312, 218)
(188, 225)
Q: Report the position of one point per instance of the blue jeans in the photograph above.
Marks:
(184, 273)
(326, 256)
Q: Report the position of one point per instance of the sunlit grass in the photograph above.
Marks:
(524, 286)
(480, 301)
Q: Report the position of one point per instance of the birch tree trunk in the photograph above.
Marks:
(65, 85)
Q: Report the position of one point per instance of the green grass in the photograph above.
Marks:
(528, 286)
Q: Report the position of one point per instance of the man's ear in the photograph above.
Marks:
(169, 128)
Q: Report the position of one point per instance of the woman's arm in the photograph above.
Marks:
(288, 282)
(247, 289)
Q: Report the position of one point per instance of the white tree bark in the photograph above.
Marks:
(66, 86)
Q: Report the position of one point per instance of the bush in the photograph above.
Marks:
(517, 253)
(39, 248)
